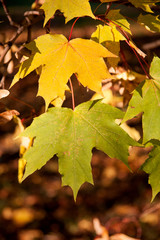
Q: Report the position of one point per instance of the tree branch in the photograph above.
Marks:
(12, 23)
(26, 23)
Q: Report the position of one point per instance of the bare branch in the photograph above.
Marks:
(12, 23)
(27, 23)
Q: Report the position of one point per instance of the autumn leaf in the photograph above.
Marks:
(61, 58)
(146, 100)
(107, 33)
(72, 135)
(151, 22)
(155, 68)
(110, 37)
(145, 5)
(116, 18)
(71, 9)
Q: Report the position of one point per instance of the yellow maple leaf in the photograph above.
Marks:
(61, 58)
(71, 9)
(110, 37)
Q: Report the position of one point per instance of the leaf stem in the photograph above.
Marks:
(138, 59)
(108, 8)
(72, 28)
(97, 7)
(72, 92)
(127, 41)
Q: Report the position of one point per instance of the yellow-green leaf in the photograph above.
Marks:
(71, 9)
(145, 5)
(151, 22)
(152, 167)
(61, 58)
(72, 135)
(116, 18)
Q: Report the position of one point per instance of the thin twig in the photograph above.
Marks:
(26, 24)
(97, 7)
(12, 23)
(108, 8)
(136, 54)
(70, 35)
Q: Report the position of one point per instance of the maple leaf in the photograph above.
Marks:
(107, 33)
(143, 4)
(61, 58)
(155, 68)
(71, 9)
(151, 22)
(146, 99)
(117, 18)
(152, 167)
(110, 37)
(72, 135)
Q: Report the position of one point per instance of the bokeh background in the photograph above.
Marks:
(38, 208)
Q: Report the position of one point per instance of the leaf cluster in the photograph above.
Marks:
(71, 134)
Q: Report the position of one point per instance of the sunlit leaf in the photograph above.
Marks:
(110, 37)
(71, 9)
(116, 18)
(146, 100)
(155, 68)
(72, 135)
(61, 58)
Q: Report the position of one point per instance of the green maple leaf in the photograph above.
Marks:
(152, 167)
(146, 99)
(60, 59)
(72, 135)
(71, 9)
(155, 68)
